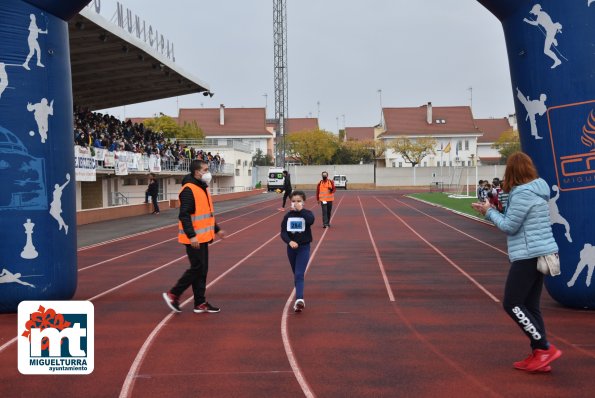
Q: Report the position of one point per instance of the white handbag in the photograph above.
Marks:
(549, 264)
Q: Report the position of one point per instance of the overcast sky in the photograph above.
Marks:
(340, 53)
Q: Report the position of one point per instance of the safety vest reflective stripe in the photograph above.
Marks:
(325, 194)
(203, 219)
(201, 216)
(199, 231)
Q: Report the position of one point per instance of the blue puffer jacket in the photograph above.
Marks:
(526, 221)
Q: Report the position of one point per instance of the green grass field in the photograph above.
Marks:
(459, 204)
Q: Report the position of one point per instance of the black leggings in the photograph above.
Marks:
(522, 295)
(286, 194)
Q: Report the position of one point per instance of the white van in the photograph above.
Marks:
(340, 181)
(275, 179)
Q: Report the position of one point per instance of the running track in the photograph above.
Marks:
(402, 300)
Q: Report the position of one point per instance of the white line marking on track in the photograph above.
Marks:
(450, 226)
(483, 289)
(10, 342)
(168, 240)
(140, 356)
(173, 225)
(382, 270)
(285, 333)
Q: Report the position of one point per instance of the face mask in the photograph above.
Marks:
(207, 177)
(324, 177)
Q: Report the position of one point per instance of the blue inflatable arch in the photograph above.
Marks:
(550, 49)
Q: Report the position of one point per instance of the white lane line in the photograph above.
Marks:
(483, 289)
(173, 225)
(140, 356)
(382, 270)
(450, 226)
(10, 342)
(285, 333)
(165, 241)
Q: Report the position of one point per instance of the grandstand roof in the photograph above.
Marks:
(492, 129)
(113, 68)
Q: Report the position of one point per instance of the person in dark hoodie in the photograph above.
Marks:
(153, 191)
(296, 232)
(197, 228)
(286, 188)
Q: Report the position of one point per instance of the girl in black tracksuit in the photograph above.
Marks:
(296, 232)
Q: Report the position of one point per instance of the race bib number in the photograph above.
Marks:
(296, 224)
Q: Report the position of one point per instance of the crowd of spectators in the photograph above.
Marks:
(96, 130)
(492, 193)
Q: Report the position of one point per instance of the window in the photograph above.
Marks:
(425, 164)
(129, 181)
(249, 172)
(459, 145)
(466, 145)
(237, 171)
(394, 164)
(239, 162)
(400, 164)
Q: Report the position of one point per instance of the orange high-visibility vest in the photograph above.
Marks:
(203, 219)
(325, 194)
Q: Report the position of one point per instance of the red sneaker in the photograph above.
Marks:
(522, 365)
(542, 358)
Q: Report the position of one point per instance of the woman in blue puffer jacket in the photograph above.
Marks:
(526, 223)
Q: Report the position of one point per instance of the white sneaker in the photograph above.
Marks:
(299, 305)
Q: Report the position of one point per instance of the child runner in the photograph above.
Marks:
(295, 231)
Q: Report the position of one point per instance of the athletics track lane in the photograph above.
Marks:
(125, 316)
(442, 335)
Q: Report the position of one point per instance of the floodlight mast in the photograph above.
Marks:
(280, 66)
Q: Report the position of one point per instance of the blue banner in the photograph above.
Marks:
(552, 64)
(37, 198)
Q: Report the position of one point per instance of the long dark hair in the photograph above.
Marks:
(519, 170)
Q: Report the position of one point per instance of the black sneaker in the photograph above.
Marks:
(172, 301)
(206, 307)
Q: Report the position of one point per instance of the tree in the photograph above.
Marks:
(260, 159)
(312, 146)
(353, 152)
(163, 123)
(190, 130)
(413, 151)
(507, 144)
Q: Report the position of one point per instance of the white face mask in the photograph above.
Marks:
(207, 177)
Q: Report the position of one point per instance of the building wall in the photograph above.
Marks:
(362, 176)
(465, 156)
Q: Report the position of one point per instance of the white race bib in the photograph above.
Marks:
(296, 224)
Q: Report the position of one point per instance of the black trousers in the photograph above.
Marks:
(155, 203)
(522, 295)
(196, 275)
(326, 212)
(286, 194)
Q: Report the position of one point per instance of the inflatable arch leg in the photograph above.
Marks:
(550, 50)
(37, 194)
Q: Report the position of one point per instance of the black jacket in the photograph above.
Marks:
(187, 206)
(287, 183)
(153, 188)
(299, 237)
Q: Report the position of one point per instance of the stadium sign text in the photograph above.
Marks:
(132, 23)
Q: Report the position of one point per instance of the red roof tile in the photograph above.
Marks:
(237, 121)
(492, 128)
(293, 125)
(413, 121)
(359, 133)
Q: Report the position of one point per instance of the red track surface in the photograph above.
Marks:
(444, 335)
